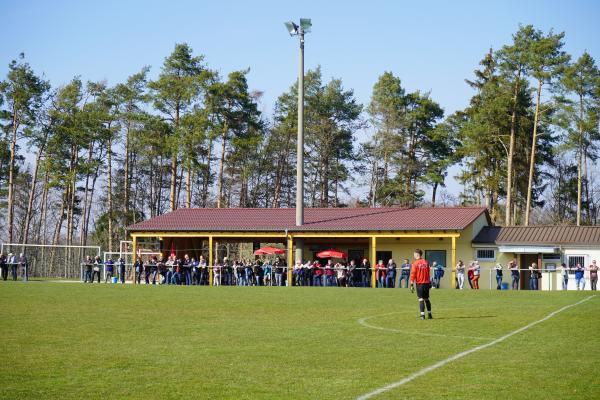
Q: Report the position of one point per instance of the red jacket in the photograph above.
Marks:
(419, 272)
(317, 269)
(329, 271)
(381, 270)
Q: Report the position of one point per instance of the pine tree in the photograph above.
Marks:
(514, 62)
(580, 117)
(23, 94)
(176, 90)
(546, 63)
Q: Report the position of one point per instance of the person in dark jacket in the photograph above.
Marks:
(139, 270)
(195, 272)
(186, 268)
(109, 265)
(579, 276)
(163, 270)
(96, 271)
(404, 273)
(365, 273)
(498, 269)
(87, 269)
(226, 272)
(391, 274)
(534, 275)
(352, 274)
(176, 277)
(4, 267)
(305, 274)
(121, 265)
(151, 270)
(258, 273)
(515, 274)
(249, 274)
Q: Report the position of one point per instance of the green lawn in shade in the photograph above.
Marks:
(75, 341)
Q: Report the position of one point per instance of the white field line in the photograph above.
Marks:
(363, 322)
(455, 357)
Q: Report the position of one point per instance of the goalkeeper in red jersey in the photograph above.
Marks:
(419, 275)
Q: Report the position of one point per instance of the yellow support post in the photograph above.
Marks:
(290, 259)
(134, 257)
(210, 260)
(453, 262)
(373, 259)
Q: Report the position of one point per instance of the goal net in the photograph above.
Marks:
(46, 261)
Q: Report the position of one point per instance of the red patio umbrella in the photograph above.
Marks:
(332, 254)
(268, 250)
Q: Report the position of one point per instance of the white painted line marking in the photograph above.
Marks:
(455, 357)
(363, 322)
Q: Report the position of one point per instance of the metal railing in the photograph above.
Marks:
(277, 276)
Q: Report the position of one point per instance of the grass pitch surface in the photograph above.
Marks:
(74, 341)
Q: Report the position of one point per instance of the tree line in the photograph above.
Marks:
(81, 161)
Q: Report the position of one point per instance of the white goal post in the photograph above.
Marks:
(40, 256)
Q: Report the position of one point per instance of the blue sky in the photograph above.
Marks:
(431, 45)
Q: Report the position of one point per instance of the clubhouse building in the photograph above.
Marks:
(445, 234)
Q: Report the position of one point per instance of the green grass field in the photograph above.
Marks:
(75, 341)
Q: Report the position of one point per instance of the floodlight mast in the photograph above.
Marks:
(299, 30)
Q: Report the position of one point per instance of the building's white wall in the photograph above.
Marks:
(549, 280)
(590, 254)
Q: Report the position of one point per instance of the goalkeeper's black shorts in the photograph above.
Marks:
(423, 290)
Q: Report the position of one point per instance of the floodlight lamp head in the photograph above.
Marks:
(292, 28)
(306, 24)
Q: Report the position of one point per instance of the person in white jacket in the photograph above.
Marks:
(460, 274)
(217, 275)
(564, 271)
(12, 263)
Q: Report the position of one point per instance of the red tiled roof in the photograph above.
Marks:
(315, 219)
(544, 234)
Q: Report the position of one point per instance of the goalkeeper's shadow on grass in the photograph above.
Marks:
(467, 317)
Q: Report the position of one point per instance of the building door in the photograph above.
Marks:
(384, 256)
(357, 255)
(525, 262)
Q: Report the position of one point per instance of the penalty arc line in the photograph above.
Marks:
(455, 357)
(363, 322)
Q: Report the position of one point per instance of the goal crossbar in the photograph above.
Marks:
(65, 246)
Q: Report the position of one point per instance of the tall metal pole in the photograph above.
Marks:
(300, 149)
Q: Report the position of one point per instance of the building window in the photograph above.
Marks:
(550, 267)
(574, 260)
(438, 256)
(485, 254)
